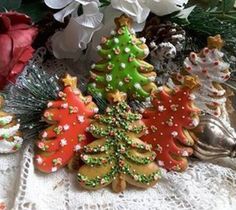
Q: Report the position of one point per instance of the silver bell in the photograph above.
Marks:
(213, 139)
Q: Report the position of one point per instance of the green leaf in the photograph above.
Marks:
(105, 3)
(9, 4)
(228, 5)
(35, 9)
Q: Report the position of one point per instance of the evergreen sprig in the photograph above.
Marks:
(209, 22)
(28, 98)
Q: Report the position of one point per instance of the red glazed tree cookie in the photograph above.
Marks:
(70, 116)
(167, 124)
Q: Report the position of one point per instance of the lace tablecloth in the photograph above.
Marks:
(204, 186)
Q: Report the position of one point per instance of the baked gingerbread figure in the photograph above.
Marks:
(212, 72)
(118, 156)
(10, 135)
(168, 123)
(122, 66)
(69, 117)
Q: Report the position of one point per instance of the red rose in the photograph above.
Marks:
(16, 37)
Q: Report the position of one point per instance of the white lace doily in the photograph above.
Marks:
(204, 186)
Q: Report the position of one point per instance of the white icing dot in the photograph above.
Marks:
(63, 142)
(50, 104)
(137, 86)
(54, 169)
(85, 157)
(174, 133)
(108, 77)
(109, 56)
(116, 40)
(185, 154)
(93, 85)
(99, 47)
(93, 66)
(45, 134)
(113, 32)
(77, 148)
(127, 50)
(64, 105)
(95, 110)
(81, 118)
(161, 108)
(122, 65)
(39, 160)
(160, 163)
(66, 127)
(121, 83)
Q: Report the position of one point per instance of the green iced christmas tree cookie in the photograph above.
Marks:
(122, 67)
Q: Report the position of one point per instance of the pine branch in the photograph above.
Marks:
(204, 23)
(29, 97)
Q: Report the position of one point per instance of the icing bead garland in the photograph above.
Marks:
(168, 122)
(69, 116)
(122, 67)
(118, 156)
(10, 136)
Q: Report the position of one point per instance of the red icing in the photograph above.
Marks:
(171, 113)
(71, 115)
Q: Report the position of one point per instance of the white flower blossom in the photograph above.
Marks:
(165, 7)
(70, 42)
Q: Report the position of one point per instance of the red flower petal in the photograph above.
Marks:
(5, 52)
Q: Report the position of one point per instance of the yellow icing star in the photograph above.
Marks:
(215, 42)
(123, 21)
(191, 81)
(116, 97)
(70, 81)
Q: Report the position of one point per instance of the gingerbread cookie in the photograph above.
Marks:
(118, 156)
(168, 123)
(122, 67)
(70, 117)
(10, 135)
(212, 71)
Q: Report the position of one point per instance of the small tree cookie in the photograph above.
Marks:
(168, 122)
(212, 71)
(70, 116)
(122, 67)
(118, 156)
(10, 136)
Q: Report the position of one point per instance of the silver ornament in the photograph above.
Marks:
(213, 139)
